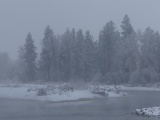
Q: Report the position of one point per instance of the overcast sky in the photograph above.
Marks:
(18, 17)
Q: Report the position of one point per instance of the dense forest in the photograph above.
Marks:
(126, 57)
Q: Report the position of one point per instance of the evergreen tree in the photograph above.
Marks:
(5, 66)
(150, 49)
(73, 54)
(126, 26)
(49, 56)
(95, 58)
(131, 53)
(106, 47)
(79, 54)
(156, 51)
(30, 58)
(65, 56)
(88, 56)
(129, 46)
(146, 47)
(20, 67)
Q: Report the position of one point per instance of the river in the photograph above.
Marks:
(100, 109)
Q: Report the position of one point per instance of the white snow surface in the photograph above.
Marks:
(132, 88)
(139, 88)
(28, 92)
(149, 112)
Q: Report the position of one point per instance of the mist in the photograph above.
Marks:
(19, 17)
(79, 59)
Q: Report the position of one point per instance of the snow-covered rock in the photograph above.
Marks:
(149, 112)
(109, 91)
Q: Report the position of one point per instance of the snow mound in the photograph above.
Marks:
(149, 112)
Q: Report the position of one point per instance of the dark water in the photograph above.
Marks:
(101, 109)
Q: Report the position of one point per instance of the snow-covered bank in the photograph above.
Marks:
(135, 88)
(45, 93)
(140, 88)
(131, 88)
(56, 92)
(149, 112)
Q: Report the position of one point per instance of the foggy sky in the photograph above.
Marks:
(18, 17)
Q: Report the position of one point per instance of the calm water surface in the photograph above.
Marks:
(101, 109)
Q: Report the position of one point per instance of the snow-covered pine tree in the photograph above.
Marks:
(126, 27)
(30, 58)
(106, 47)
(73, 54)
(88, 56)
(65, 64)
(150, 50)
(49, 56)
(129, 45)
(79, 54)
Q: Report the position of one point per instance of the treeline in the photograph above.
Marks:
(116, 57)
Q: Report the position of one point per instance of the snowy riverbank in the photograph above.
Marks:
(51, 93)
(64, 92)
(140, 88)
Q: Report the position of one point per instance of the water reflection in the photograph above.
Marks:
(101, 109)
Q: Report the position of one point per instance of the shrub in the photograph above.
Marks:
(41, 92)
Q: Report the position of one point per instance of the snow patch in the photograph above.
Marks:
(149, 112)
